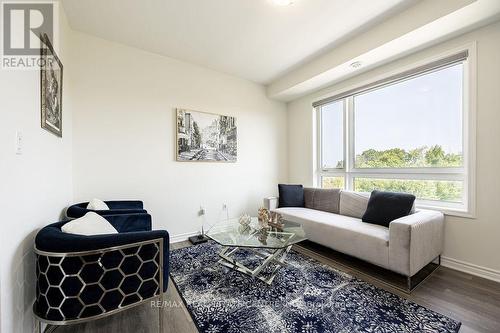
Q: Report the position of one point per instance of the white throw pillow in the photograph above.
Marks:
(88, 225)
(96, 204)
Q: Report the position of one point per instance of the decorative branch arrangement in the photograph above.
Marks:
(270, 220)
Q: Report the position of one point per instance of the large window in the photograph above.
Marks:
(405, 135)
(332, 129)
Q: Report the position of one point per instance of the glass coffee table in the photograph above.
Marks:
(271, 246)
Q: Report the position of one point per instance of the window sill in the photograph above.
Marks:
(449, 212)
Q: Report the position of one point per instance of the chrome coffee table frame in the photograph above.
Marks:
(276, 257)
(269, 246)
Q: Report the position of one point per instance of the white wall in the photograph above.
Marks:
(468, 241)
(124, 135)
(35, 186)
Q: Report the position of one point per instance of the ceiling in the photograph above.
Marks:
(251, 39)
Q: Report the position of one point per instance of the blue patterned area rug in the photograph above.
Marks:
(306, 297)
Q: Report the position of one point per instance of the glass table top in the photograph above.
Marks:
(232, 233)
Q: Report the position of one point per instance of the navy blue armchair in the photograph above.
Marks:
(115, 208)
(81, 278)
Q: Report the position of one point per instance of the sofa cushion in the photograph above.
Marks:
(291, 195)
(353, 203)
(346, 234)
(326, 200)
(309, 197)
(384, 207)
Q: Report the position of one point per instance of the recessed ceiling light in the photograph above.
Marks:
(283, 2)
(356, 64)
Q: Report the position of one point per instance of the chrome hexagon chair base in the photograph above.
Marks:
(83, 286)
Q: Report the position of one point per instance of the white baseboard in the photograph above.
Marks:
(484, 272)
(183, 237)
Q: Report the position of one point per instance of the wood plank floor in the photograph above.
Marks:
(472, 300)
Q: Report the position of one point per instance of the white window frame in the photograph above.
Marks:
(466, 173)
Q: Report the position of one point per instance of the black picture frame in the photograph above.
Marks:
(51, 85)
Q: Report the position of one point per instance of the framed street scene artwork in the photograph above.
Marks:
(206, 137)
(51, 80)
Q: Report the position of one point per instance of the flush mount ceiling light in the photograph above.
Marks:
(282, 2)
(355, 64)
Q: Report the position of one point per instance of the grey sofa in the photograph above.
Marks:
(332, 218)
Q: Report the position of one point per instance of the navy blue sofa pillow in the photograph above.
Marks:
(291, 195)
(384, 207)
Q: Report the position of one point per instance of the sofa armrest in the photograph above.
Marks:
(125, 204)
(119, 211)
(415, 240)
(115, 207)
(130, 222)
(271, 203)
